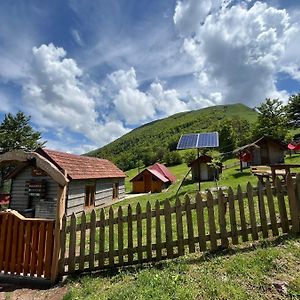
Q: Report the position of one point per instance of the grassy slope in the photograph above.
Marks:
(161, 132)
(248, 271)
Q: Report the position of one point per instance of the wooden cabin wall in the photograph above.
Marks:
(276, 154)
(20, 199)
(209, 172)
(104, 192)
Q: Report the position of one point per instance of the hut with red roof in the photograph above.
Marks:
(154, 179)
(90, 182)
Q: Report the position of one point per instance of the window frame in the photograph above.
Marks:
(89, 196)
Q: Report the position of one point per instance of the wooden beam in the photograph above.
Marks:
(60, 211)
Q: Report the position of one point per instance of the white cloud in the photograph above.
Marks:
(237, 50)
(5, 103)
(56, 97)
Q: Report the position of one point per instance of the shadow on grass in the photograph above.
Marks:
(203, 257)
(241, 174)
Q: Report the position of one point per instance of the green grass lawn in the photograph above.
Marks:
(250, 271)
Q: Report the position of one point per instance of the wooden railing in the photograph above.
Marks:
(26, 245)
(100, 241)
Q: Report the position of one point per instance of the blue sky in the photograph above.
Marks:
(87, 72)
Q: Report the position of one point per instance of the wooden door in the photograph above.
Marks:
(148, 182)
(264, 153)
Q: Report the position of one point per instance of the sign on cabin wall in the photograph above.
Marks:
(37, 189)
(37, 172)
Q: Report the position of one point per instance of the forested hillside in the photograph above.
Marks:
(155, 140)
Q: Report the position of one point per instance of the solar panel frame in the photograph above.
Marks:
(198, 140)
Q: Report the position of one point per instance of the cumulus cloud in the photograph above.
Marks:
(134, 105)
(56, 97)
(237, 49)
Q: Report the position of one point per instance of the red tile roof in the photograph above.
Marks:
(82, 167)
(159, 175)
(162, 169)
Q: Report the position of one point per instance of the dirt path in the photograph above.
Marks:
(11, 292)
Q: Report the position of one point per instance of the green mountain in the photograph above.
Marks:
(162, 135)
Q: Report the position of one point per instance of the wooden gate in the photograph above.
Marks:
(26, 245)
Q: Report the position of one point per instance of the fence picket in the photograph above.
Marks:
(101, 238)
(200, 222)
(253, 223)
(72, 245)
(242, 214)
(130, 239)
(7, 253)
(168, 228)
(92, 239)
(111, 237)
(41, 249)
(20, 253)
(49, 250)
(293, 204)
(34, 245)
(232, 215)
(14, 245)
(282, 207)
(271, 209)
(262, 210)
(158, 231)
(222, 219)
(148, 231)
(62, 244)
(139, 232)
(189, 222)
(82, 241)
(179, 226)
(120, 236)
(3, 228)
(298, 191)
(211, 221)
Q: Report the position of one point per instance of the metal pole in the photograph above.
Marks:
(198, 168)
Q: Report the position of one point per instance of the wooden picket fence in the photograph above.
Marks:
(26, 245)
(98, 241)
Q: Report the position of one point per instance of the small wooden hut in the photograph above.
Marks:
(264, 151)
(201, 168)
(154, 179)
(90, 182)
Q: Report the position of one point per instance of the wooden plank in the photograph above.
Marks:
(41, 249)
(101, 238)
(293, 204)
(139, 232)
(49, 249)
(92, 239)
(149, 231)
(211, 221)
(189, 222)
(3, 236)
(63, 235)
(8, 243)
(232, 215)
(72, 245)
(282, 207)
(120, 236)
(179, 227)
(222, 219)
(27, 247)
(158, 231)
(262, 210)
(298, 191)
(129, 233)
(200, 222)
(34, 248)
(111, 237)
(20, 251)
(168, 229)
(271, 209)
(14, 245)
(252, 212)
(242, 214)
(82, 241)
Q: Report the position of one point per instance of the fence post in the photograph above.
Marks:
(293, 204)
(60, 210)
(222, 219)
(298, 191)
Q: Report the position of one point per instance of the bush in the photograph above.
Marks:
(172, 158)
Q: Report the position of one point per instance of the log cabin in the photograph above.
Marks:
(35, 183)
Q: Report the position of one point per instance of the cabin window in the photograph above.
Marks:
(115, 190)
(90, 191)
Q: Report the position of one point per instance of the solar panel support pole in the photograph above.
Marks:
(198, 151)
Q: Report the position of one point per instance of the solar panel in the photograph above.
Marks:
(198, 140)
